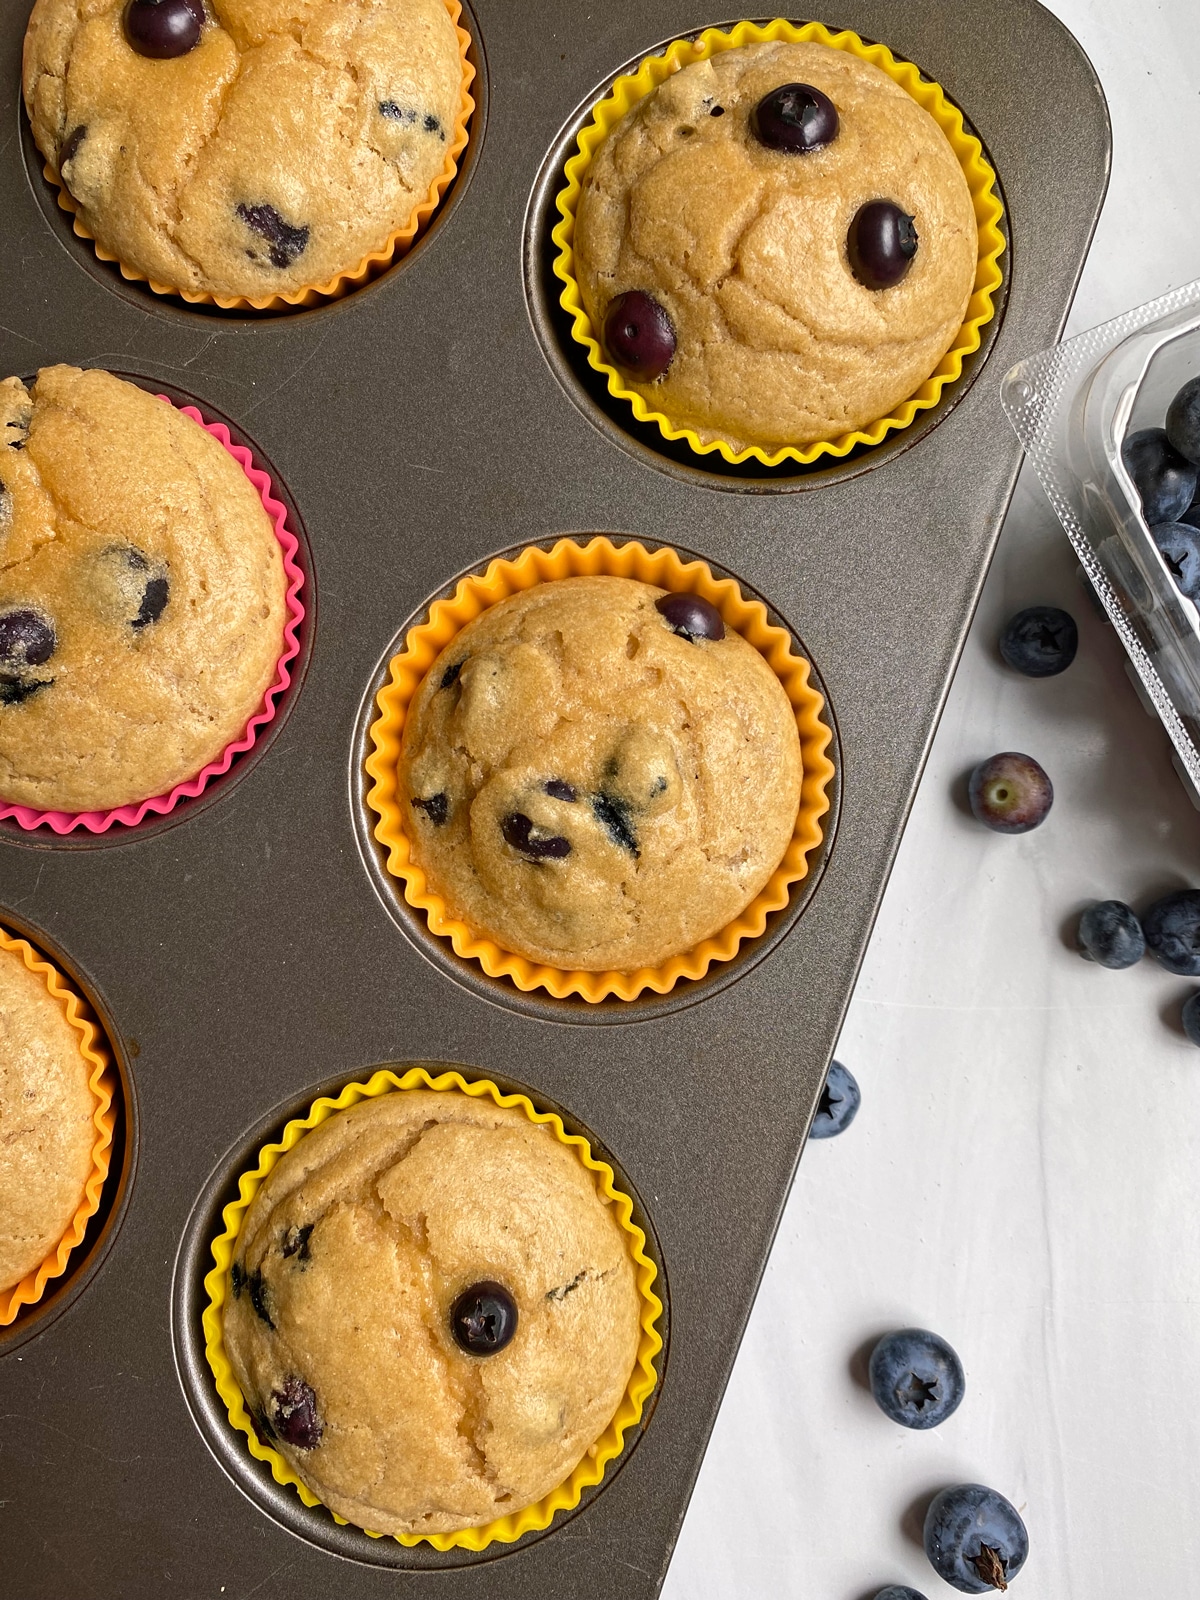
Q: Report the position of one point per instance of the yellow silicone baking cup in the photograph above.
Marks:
(570, 559)
(371, 265)
(32, 1286)
(590, 1470)
(981, 180)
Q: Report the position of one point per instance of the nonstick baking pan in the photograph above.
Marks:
(249, 948)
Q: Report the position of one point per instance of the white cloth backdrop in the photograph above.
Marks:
(1024, 1175)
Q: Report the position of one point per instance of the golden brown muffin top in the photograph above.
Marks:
(347, 1268)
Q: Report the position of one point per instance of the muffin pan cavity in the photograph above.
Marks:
(65, 833)
(189, 1298)
(60, 219)
(87, 1258)
(614, 417)
(537, 1002)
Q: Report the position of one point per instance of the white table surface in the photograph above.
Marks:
(1024, 1174)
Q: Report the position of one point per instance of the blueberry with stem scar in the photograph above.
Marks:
(691, 615)
(881, 244)
(518, 832)
(975, 1538)
(1040, 641)
(1111, 935)
(916, 1378)
(795, 118)
(483, 1319)
(839, 1103)
(639, 336)
(1172, 930)
(162, 29)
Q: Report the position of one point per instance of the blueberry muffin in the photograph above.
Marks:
(599, 775)
(433, 1311)
(243, 147)
(776, 245)
(46, 1128)
(142, 594)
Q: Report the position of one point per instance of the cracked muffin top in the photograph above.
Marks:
(434, 1311)
(598, 775)
(776, 245)
(46, 1128)
(142, 594)
(243, 147)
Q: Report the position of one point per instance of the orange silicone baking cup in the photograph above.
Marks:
(569, 559)
(32, 1286)
(591, 1468)
(630, 89)
(371, 265)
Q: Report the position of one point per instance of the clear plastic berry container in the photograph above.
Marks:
(1071, 407)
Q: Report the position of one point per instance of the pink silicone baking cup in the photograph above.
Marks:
(130, 815)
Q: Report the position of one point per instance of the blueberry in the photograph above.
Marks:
(295, 1417)
(518, 832)
(560, 789)
(397, 113)
(975, 1539)
(164, 28)
(795, 118)
(1040, 641)
(295, 1242)
(1164, 480)
(484, 1318)
(237, 1279)
(257, 1288)
(1011, 793)
(14, 691)
(1111, 935)
(286, 242)
(1191, 517)
(1172, 929)
(899, 1591)
(70, 146)
(691, 615)
(1179, 545)
(881, 244)
(840, 1100)
(613, 814)
(1190, 1016)
(153, 603)
(1183, 421)
(916, 1378)
(27, 639)
(436, 807)
(450, 676)
(638, 335)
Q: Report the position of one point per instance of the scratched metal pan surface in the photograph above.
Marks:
(247, 949)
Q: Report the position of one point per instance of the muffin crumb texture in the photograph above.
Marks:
(142, 594)
(289, 143)
(591, 788)
(745, 246)
(46, 1129)
(338, 1326)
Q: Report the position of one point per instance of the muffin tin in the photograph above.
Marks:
(246, 951)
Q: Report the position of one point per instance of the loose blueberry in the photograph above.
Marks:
(450, 676)
(975, 1539)
(295, 1417)
(1010, 793)
(1164, 480)
(26, 639)
(1183, 421)
(899, 1591)
(795, 118)
(286, 242)
(71, 143)
(881, 244)
(1172, 930)
(257, 1288)
(916, 1378)
(613, 814)
(1040, 641)
(639, 336)
(1190, 1016)
(436, 808)
(484, 1318)
(560, 789)
(1179, 545)
(691, 615)
(839, 1103)
(1111, 935)
(164, 28)
(518, 832)
(295, 1242)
